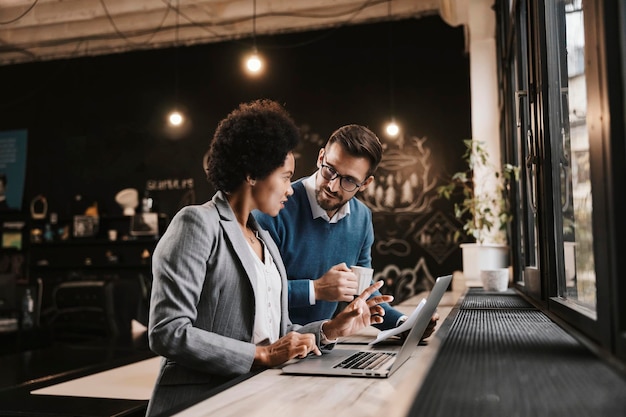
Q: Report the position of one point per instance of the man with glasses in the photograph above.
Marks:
(323, 230)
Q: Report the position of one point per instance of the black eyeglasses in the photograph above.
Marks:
(347, 183)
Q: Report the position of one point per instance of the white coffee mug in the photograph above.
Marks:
(495, 279)
(364, 276)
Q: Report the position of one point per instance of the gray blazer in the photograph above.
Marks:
(202, 303)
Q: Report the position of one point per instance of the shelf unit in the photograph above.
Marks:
(57, 256)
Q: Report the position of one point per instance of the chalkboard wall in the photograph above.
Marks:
(97, 125)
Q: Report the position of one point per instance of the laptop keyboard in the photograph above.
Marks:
(366, 360)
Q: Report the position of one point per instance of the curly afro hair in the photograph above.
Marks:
(253, 140)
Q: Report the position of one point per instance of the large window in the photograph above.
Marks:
(557, 100)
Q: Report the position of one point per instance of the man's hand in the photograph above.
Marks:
(292, 345)
(427, 333)
(338, 284)
(359, 314)
(431, 327)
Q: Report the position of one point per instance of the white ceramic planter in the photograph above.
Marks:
(477, 257)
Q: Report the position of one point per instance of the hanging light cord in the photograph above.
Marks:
(176, 54)
(254, 25)
(390, 23)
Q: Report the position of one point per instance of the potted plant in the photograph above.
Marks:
(481, 194)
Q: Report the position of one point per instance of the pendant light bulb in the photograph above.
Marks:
(254, 63)
(175, 118)
(392, 129)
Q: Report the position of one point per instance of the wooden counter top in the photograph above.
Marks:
(271, 393)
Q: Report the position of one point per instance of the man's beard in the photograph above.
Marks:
(320, 196)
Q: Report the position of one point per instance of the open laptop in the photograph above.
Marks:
(372, 363)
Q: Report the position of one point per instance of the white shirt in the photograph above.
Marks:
(309, 187)
(267, 299)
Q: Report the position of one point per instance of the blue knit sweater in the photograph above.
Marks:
(310, 247)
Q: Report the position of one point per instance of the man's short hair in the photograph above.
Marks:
(359, 141)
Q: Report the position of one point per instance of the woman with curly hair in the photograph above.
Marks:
(219, 294)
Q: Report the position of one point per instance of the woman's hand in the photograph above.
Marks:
(359, 314)
(292, 345)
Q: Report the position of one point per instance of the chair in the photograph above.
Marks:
(8, 293)
(83, 310)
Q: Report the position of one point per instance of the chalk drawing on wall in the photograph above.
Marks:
(401, 198)
(404, 283)
(433, 232)
(393, 246)
(405, 181)
(437, 237)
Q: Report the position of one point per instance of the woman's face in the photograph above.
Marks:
(271, 193)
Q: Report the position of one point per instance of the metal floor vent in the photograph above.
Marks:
(516, 363)
(478, 298)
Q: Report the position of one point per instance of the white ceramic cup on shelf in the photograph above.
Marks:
(364, 275)
(495, 279)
